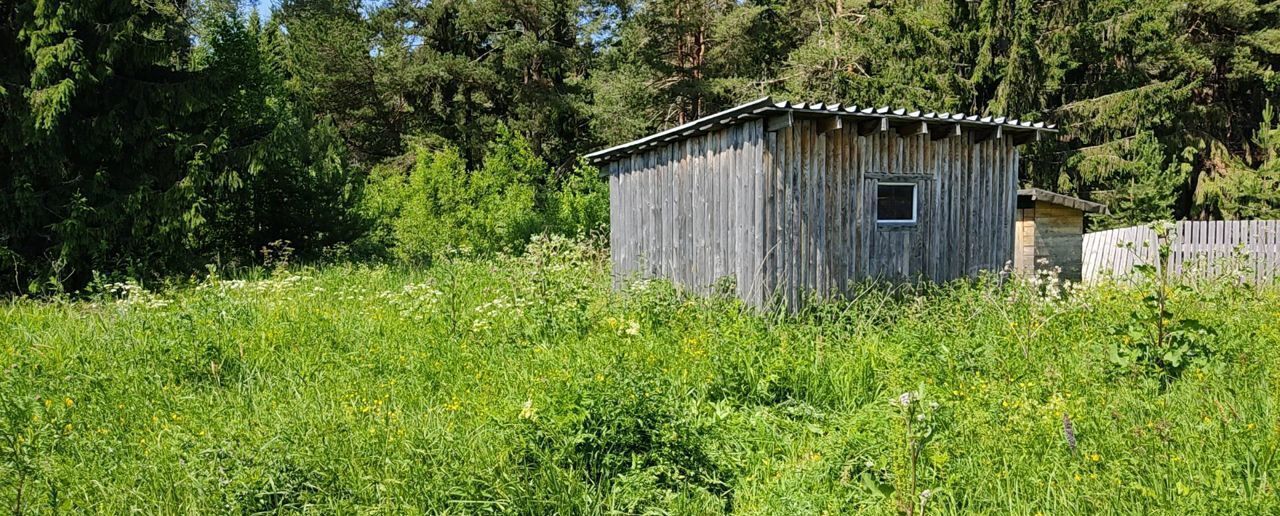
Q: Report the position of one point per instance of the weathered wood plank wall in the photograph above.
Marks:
(1049, 235)
(691, 211)
(1250, 248)
(822, 233)
(792, 212)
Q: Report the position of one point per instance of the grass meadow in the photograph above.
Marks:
(527, 385)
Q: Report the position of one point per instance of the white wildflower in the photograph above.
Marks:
(924, 497)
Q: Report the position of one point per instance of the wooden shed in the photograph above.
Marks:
(796, 199)
(1050, 232)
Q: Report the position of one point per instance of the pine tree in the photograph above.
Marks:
(98, 144)
(389, 72)
(134, 147)
(295, 184)
(672, 61)
(1246, 187)
(905, 54)
(329, 53)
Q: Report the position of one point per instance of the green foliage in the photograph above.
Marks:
(292, 181)
(1161, 88)
(94, 161)
(32, 432)
(631, 439)
(131, 147)
(444, 209)
(328, 53)
(1237, 190)
(899, 55)
(452, 70)
(581, 204)
(668, 62)
(918, 421)
(427, 223)
(146, 139)
(527, 384)
(1155, 340)
(1140, 178)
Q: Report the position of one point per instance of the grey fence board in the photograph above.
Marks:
(1247, 248)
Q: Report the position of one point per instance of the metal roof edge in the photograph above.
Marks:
(766, 104)
(1039, 194)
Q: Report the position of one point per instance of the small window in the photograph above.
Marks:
(896, 203)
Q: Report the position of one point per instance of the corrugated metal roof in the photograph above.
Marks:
(1037, 194)
(767, 106)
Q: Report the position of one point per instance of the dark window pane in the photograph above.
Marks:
(895, 203)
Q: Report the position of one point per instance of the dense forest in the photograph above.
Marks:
(154, 137)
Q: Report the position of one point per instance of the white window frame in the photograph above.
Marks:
(915, 204)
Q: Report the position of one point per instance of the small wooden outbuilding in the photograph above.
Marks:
(1050, 232)
(793, 199)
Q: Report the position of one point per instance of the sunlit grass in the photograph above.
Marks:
(526, 384)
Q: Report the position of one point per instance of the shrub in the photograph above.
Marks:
(442, 208)
(431, 215)
(581, 206)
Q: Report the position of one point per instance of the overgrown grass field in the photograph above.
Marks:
(527, 385)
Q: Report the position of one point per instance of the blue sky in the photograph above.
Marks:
(263, 6)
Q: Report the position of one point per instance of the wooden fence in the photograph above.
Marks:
(1249, 249)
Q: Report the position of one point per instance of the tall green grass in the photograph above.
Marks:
(527, 385)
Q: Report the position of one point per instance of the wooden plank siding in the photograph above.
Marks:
(687, 211)
(1245, 248)
(791, 213)
(1049, 235)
